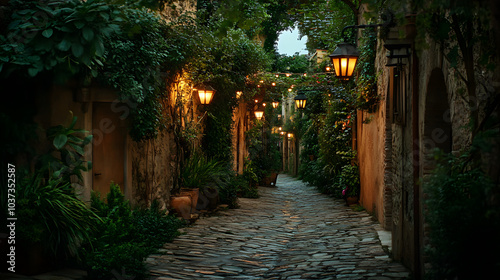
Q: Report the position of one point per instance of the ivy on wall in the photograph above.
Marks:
(365, 91)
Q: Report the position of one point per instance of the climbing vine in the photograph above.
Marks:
(365, 91)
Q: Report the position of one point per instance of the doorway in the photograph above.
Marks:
(108, 148)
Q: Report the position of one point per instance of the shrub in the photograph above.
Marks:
(245, 188)
(125, 237)
(464, 220)
(49, 213)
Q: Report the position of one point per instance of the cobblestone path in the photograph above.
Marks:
(290, 232)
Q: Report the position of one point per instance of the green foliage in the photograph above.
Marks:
(224, 64)
(198, 171)
(366, 81)
(263, 149)
(49, 213)
(349, 180)
(291, 64)
(244, 187)
(125, 237)
(134, 57)
(64, 36)
(326, 139)
(322, 22)
(66, 156)
(463, 215)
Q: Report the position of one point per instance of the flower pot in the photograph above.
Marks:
(270, 180)
(182, 206)
(193, 194)
(350, 200)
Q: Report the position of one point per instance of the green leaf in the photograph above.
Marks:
(73, 122)
(88, 34)
(60, 140)
(64, 45)
(87, 139)
(47, 33)
(57, 174)
(99, 48)
(77, 49)
(79, 24)
(33, 71)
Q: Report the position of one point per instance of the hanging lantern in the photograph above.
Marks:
(344, 59)
(206, 93)
(275, 104)
(259, 114)
(300, 100)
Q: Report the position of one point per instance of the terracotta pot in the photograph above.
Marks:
(193, 194)
(182, 205)
(270, 180)
(350, 200)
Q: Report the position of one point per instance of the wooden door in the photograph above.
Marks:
(108, 149)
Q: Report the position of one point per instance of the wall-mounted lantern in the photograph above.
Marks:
(344, 59)
(300, 100)
(289, 135)
(206, 94)
(397, 51)
(238, 94)
(345, 56)
(275, 104)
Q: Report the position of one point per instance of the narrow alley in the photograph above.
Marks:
(290, 232)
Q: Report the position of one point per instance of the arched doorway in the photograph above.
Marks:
(437, 131)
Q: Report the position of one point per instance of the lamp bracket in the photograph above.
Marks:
(388, 21)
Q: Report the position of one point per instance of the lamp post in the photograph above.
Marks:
(206, 93)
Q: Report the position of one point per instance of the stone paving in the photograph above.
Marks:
(290, 232)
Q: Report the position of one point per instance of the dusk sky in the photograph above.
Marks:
(289, 43)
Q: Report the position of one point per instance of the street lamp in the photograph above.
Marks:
(300, 100)
(206, 93)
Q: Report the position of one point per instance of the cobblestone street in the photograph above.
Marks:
(290, 232)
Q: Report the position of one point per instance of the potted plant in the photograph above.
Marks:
(198, 181)
(349, 180)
